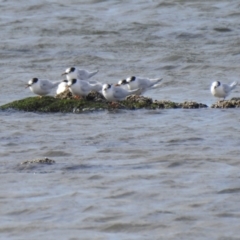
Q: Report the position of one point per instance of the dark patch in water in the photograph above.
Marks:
(175, 164)
(126, 227)
(229, 190)
(123, 195)
(222, 29)
(185, 218)
(168, 67)
(56, 154)
(232, 215)
(77, 167)
(189, 35)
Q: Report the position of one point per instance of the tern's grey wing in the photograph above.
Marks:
(226, 88)
(233, 85)
(83, 74)
(46, 85)
(142, 82)
(92, 81)
(156, 81)
(92, 74)
(148, 83)
(120, 93)
(84, 86)
(96, 86)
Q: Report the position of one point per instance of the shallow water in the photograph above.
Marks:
(162, 174)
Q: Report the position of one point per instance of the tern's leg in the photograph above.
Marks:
(78, 97)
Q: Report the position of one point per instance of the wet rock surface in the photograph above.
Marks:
(233, 103)
(64, 95)
(66, 102)
(192, 105)
(92, 96)
(189, 105)
(40, 161)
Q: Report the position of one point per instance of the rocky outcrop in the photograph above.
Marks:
(233, 103)
(41, 161)
(66, 102)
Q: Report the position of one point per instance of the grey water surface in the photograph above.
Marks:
(144, 174)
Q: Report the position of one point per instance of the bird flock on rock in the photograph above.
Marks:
(80, 85)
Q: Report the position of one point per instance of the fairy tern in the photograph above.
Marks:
(62, 87)
(81, 74)
(142, 83)
(116, 92)
(83, 88)
(222, 90)
(41, 86)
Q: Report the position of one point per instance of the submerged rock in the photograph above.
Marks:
(192, 105)
(66, 102)
(233, 103)
(42, 161)
(137, 101)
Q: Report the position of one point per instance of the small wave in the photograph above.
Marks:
(229, 190)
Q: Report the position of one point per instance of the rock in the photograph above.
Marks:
(233, 103)
(51, 104)
(137, 101)
(193, 105)
(94, 101)
(189, 105)
(166, 104)
(42, 161)
(65, 95)
(92, 96)
(96, 97)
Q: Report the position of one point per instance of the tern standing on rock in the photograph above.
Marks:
(42, 87)
(116, 92)
(81, 74)
(81, 88)
(222, 90)
(142, 83)
(62, 87)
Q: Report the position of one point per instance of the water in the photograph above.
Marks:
(164, 174)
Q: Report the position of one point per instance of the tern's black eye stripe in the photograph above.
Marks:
(34, 80)
(72, 69)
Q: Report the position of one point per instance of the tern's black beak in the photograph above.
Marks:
(27, 85)
(63, 73)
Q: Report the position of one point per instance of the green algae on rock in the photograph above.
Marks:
(94, 101)
(233, 103)
(51, 104)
